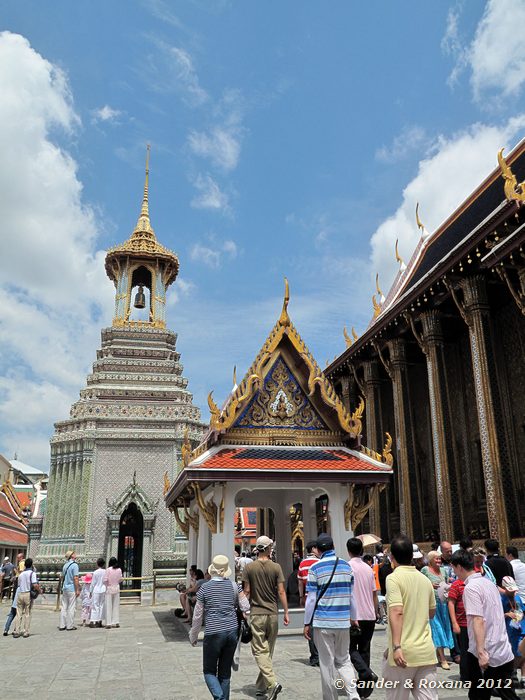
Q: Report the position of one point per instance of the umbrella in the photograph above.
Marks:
(368, 539)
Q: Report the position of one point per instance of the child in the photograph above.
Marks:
(85, 597)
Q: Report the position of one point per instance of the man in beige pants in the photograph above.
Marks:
(410, 659)
(26, 581)
(263, 583)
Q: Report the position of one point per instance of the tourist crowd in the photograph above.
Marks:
(469, 602)
(99, 593)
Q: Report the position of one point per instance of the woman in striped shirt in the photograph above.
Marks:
(218, 600)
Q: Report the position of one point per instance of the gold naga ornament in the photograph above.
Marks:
(378, 305)
(514, 190)
(421, 226)
(399, 259)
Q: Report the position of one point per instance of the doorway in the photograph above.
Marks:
(131, 535)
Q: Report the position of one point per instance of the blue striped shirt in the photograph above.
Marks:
(333, 610)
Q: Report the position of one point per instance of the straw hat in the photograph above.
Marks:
(220, 566)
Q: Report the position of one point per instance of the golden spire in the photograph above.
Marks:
(143, 224)
(354, 334)
(284, 319)
(348, 339)
(234, 377)
(399, 259)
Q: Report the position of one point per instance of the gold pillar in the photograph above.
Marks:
(398, 371)
(374, 430)
(476, 313)
(433, 347)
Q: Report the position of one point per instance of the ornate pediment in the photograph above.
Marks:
(280, 403)
(132, 494)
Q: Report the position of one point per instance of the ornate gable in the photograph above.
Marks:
(284, 398)
(280, 403)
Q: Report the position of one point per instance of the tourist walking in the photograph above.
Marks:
(499, 566)
(11, 614)
(458, 619)
(112, 581)
(329, 611)
(218, 601)
(513, 609)
(440, 623)
(302, 576)
(263, 584)
(410, 659)
(7, 572)
(480, 565)
(70, 592)
(366, 604)
(98, 594)
(85, 598)
(27, 581)
(489, 654)
(518, 567)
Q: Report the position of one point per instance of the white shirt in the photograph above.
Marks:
(97, 582)
(519, 575)
(482, 599)
(25, 580)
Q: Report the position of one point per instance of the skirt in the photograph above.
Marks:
(440, 626)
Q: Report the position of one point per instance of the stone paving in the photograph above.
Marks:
(148, 657)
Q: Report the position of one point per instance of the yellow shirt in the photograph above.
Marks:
(408, 587)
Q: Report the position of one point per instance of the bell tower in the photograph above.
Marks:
(139, 264)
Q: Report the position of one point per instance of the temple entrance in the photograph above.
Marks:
(131, 535)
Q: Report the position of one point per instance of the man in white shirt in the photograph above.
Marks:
(490, 656)
(519, 569)
(26, 581)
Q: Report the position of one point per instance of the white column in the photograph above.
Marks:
(337, 496)
(222, 541)
(192, 551)
(203, 545)
(283, 534)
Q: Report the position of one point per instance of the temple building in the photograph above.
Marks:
(123, 438)
(283, 443)
(441, 367)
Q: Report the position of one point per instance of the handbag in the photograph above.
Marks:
(244, 632)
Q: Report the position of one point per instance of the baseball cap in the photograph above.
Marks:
(509, 584)
(263, 543)
(324, 541)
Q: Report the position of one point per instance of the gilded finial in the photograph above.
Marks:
(420, 224)
(354, 334)
(143, 223)
(186, 448)
(234, 377)
(376, 305)
(284, 319)
(399, 259)
(348, 339)
(513, 190)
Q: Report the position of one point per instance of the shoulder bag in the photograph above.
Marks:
(33, 592)
(323, 590)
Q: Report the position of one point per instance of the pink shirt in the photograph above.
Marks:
(113, 577)
(364, 589)
(481, 598)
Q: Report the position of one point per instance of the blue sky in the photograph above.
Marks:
(287, 139)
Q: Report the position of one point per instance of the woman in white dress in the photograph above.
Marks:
(98, 594)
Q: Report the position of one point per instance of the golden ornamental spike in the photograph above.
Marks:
(376, 305)
(348, 339)
(399, 259)
(513, 190)
(378, 288)
(354, 334)
(284, 319)
(145, 208)
(419, 223)
(234, 376)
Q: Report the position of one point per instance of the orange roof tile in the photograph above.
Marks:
(284, 459)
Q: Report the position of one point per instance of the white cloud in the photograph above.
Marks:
(210, 195)
(171, 69)
(221, 145)
(496, 55)
(412, 138)
(454, 168)
(51, 273)
(105, 114)
(213, 257)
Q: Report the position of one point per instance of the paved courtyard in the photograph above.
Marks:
(148, 657)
